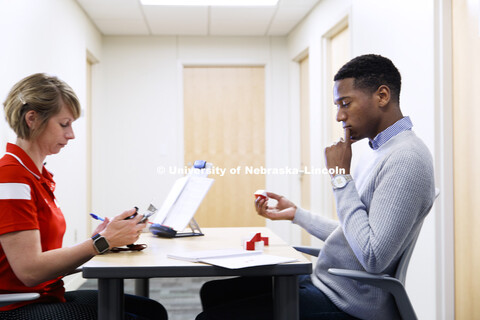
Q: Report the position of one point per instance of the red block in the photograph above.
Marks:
(250, 245)
(265, 240)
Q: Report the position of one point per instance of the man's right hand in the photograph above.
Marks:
(283, 210)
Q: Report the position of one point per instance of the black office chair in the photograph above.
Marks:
(10, 298)
(394, 285)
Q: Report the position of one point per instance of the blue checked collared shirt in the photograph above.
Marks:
(401, 125)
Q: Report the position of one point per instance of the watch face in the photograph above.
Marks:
(339, 181)
(101, 244)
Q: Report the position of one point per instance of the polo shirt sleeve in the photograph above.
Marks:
(18, 210)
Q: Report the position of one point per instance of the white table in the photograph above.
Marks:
(112, 268)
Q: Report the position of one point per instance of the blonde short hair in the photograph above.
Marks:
(43, 94)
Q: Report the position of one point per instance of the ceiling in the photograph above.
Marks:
(130, 17)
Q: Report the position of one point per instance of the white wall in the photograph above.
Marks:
(406, 36)
(51, 36)
(138, 126)
(404, 32)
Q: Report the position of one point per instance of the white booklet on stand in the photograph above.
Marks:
(183, 201)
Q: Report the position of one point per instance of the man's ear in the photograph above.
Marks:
(31, 119)
(383, 95)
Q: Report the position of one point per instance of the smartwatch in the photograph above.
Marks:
(341, 180)
(100, 243)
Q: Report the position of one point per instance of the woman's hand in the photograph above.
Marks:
(284, 209)
(32, 265)
(101, 226)
(120, 232)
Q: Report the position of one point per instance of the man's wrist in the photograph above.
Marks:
(333, 171)
(294, 210)
(340, 181)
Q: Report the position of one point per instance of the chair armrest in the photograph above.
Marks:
(9, 298)
(309, 250)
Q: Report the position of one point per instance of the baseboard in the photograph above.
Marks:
(73, 281)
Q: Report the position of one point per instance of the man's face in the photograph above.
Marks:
(356, 109)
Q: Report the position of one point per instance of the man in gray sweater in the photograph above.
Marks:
(380, 207)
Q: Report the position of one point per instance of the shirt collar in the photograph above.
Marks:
(401, 125)
(24, 159)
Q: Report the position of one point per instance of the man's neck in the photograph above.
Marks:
(393, 116)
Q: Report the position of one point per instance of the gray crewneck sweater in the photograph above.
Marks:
(379, 213)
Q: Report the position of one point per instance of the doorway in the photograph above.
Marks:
(224, 124)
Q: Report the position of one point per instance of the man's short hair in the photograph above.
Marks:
(370, 71)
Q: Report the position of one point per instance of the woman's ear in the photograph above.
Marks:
(31, 119)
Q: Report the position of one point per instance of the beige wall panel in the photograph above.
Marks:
(305, 140)
(339, 55)
(466, 112)
(89, 227)
(224, 119)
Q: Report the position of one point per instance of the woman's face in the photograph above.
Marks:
(57, 133)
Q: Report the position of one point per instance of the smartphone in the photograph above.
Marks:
(146, 216)
(150, 211)
(133, 215)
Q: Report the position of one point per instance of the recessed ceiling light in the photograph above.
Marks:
(236, 3)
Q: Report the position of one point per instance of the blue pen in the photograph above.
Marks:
(94, 216)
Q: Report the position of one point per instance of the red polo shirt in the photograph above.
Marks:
(27, 202)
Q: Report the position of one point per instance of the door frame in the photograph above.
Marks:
(341, 23)
(443, 158)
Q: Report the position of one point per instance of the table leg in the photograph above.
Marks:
(285, 294)
(110, 299)
(142, 287)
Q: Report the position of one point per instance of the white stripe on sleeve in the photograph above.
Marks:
(15, 191)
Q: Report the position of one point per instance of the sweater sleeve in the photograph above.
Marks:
(402, 195)
(317, 225)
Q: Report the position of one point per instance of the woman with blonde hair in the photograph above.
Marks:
(41, 110)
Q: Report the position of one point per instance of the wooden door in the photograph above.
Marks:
(224, 123)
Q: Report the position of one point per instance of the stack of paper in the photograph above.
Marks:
(231, 258)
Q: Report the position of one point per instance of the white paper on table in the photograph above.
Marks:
(247, 261)
(201, 255)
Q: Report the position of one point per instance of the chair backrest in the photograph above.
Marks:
(401, 272)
